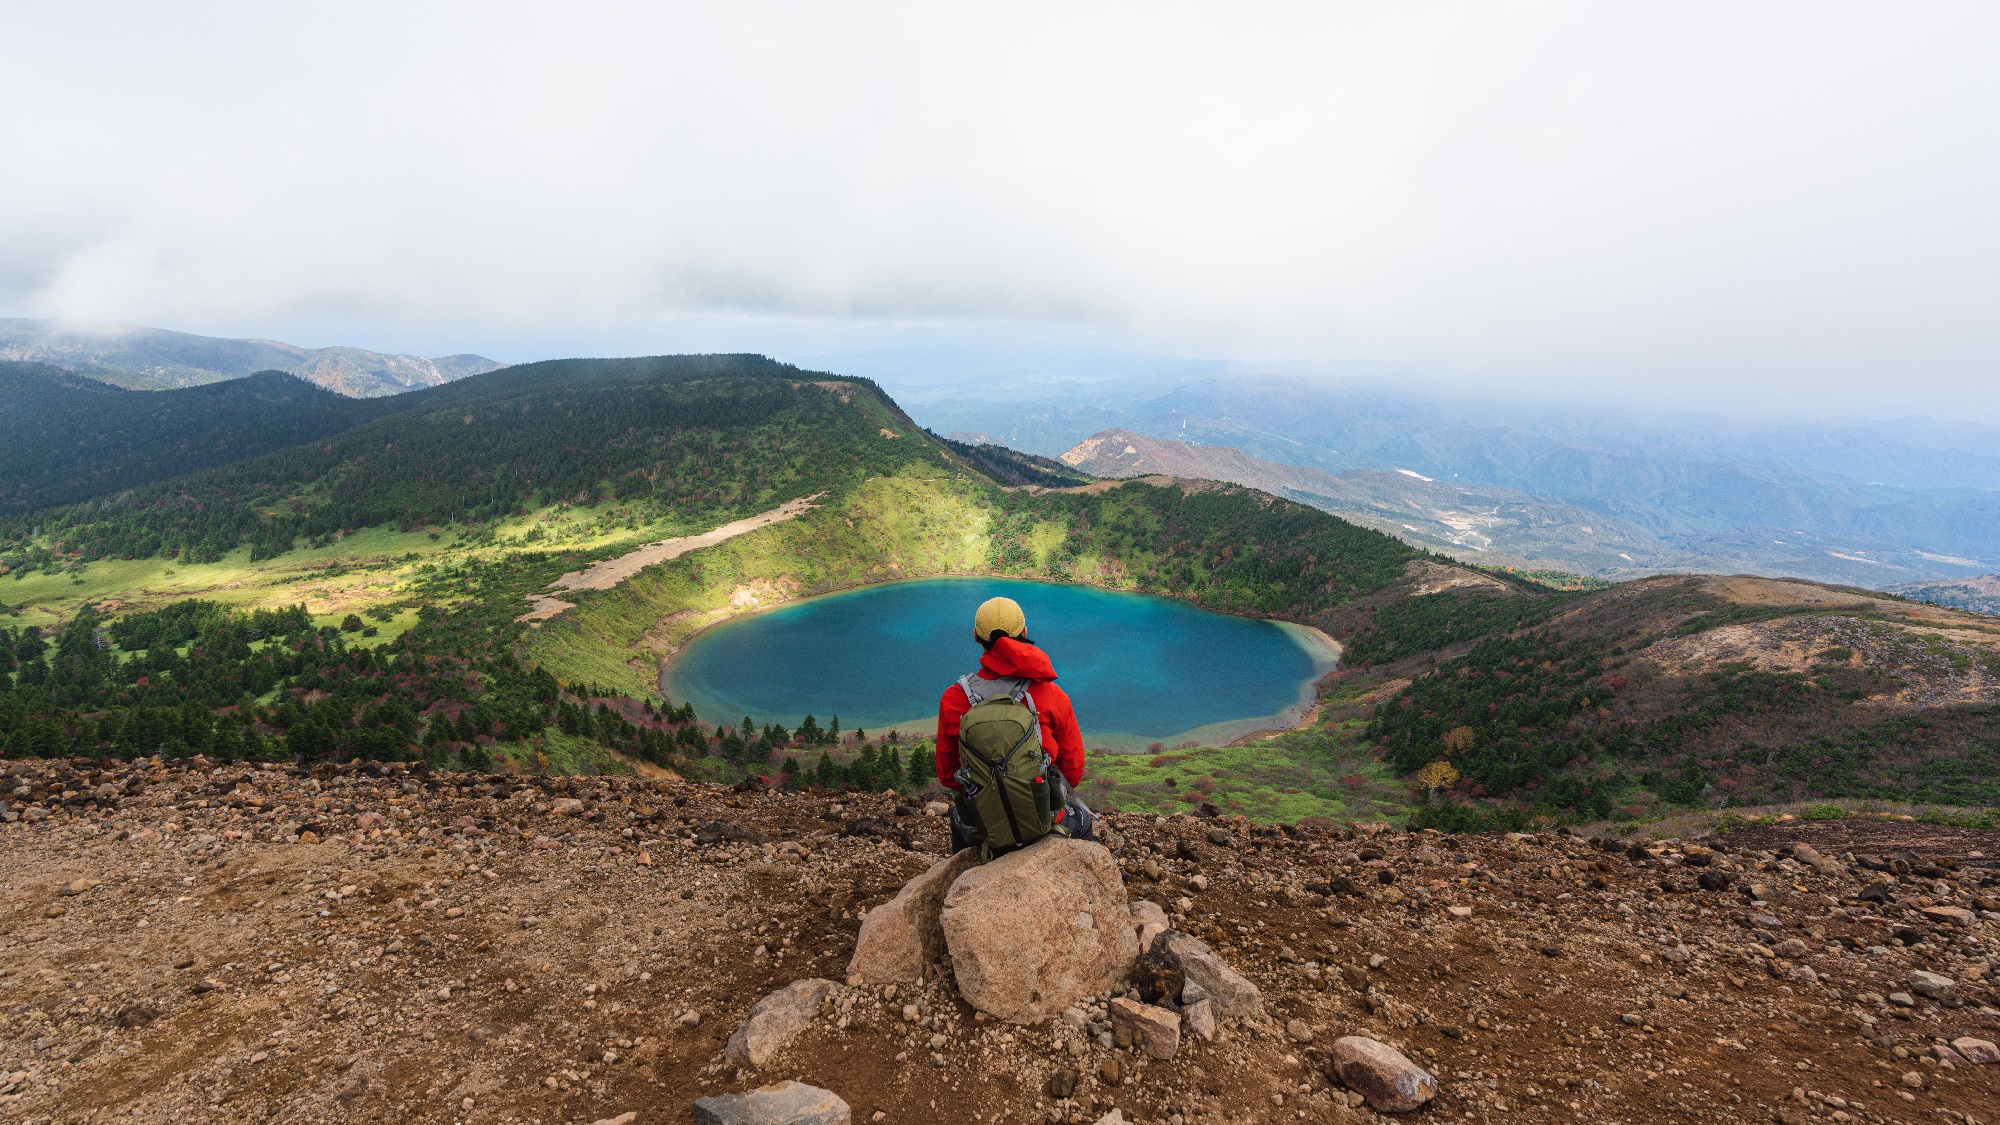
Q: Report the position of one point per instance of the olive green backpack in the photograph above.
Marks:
(1009, 789)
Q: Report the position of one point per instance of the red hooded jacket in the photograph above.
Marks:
(1061, 737)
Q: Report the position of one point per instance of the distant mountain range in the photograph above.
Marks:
(1493, 526)
(1852, 501)
(151, 359)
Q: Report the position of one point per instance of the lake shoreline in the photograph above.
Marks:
(1322, 652)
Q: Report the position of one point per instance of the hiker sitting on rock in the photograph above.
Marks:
(1000, 730)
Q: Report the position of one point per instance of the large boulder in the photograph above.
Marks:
(1037, 930)
(776, 1020)
(785, 1103)
(901, 938)
(1380, 1073)
(1207, 977)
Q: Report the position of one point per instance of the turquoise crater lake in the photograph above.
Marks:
(1140, 669)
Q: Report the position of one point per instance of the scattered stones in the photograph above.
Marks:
(775, 1021)
(1381, 1074)
(1036, 930)
(783, 1103)
(1153, 1030)
(903, 937)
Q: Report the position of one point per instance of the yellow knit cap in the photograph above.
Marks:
(1003, 614)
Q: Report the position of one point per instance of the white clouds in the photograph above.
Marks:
(1719, 196)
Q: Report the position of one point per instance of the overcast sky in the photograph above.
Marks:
(1723, 204)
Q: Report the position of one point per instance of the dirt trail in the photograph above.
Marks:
(251, 944)
(611, 572)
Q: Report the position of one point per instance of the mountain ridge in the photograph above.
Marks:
(1481, 525)
(141, 358)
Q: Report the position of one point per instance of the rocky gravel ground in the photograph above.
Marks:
(191, 942)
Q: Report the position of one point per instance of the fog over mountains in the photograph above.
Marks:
(157, 359)
(1870, 502)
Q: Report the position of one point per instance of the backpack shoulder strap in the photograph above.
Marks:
(978, 689)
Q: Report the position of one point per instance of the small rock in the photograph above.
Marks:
(775, 1021)
(626, 1118)
(1201, 1019)
(1902, 1000)
(1110, 1071)
(690, 1018)
(1948, 915)
(1208, 978)
(1062, 1083)
(1913, 1079)
(1791, 949)
(1155, 1031)
(1459, 911)
(1933, 985)
(728, 832)
(1380, 1073)
(1298, 1032)
(77, 886)
(785, 1103)
(1978, 1052)
(1150, 921)
(566, 806)
(1158, 974)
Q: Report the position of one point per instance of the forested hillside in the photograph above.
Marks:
(64, 437)
(1682, 691)
(697, 436)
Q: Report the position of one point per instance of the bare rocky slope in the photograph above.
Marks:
(190, 943)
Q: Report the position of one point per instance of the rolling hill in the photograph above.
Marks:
(157, 359)
(64, 437)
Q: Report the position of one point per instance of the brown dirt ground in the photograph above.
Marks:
(453, 937)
